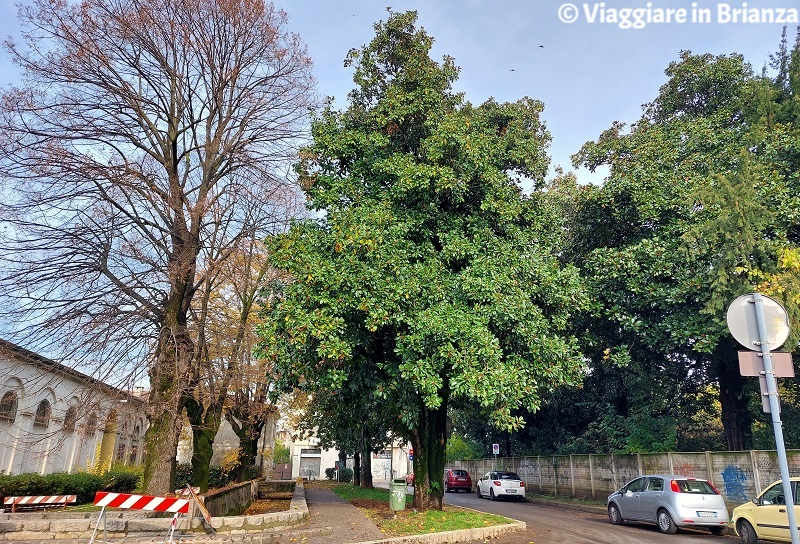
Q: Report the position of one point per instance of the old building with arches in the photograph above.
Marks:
(56, 419)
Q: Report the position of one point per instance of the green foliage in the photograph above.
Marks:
(695, 212)
(217, 476)
(345, 474)
(460, 448)
(429, 279)
(183, 474)
(281, 454)
(81, 484)
(123, 479)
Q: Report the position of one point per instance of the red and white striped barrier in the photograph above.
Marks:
(43, 501)
(141, 502)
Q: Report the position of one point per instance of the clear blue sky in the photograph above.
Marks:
(588, 74)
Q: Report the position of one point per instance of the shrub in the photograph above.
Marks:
(84, 485)
(345, 474)
(218, 477)
(183, 474)
(122, 480)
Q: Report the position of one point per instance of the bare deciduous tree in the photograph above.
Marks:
(145, 141)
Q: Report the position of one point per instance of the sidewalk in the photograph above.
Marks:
(331, 519)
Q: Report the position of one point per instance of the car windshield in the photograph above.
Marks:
(460, 473)
(507, 476)
(700, 487)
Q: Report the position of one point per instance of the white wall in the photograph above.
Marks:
(104, 417)
(305, 464)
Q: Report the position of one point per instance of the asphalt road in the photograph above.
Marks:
(553, 525)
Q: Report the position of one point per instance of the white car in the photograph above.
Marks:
(498, 484)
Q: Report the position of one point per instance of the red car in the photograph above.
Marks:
(456, 479)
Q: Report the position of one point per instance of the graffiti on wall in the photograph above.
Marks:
(734, 480)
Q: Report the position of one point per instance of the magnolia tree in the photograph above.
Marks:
(428, 277)
(143, 145)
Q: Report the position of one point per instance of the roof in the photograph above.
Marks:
(18, 353)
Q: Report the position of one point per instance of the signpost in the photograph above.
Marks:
(761, 324)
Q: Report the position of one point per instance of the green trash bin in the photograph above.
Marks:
(397, 495)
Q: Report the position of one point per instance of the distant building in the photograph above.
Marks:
(226, 441)
(309, 460)
(55, 419)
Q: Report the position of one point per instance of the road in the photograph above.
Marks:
(552, 525)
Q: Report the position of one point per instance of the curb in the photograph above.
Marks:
(461, 535)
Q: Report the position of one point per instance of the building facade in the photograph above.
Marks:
(309, 460)
(55, 419)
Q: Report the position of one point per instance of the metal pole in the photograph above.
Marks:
(774, 407)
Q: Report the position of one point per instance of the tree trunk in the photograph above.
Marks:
(366, 468)
(168, 379)
(733, 396)
(205, 424)
(249, 436)
(357, 469)
(430, 449)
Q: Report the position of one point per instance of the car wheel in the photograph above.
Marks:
(478, 491)
(718, 531)
(491, 495)
(614, 515)
(746, 532)
(665, 523)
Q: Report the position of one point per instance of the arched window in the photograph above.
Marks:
(42, 416)
(8, 407)
(91, 425)
(70, 418)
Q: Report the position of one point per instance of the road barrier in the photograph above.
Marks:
(139, 502)
(37, 502)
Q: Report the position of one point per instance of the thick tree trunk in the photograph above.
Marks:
(366, 468)
(430, 450)
(734, 398)
(357, 469)
(249, 436)
(205, 423)
(168, 379)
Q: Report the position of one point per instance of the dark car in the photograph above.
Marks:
(456, 479)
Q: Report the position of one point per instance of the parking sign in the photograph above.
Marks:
(496, 449)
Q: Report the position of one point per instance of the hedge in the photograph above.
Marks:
(82, 484)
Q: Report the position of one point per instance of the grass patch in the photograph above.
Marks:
(375, 503)
(352, 493)
(452, 518)
(561, 498)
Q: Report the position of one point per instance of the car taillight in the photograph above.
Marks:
(496, 482)
(522, 484)
(673, 485)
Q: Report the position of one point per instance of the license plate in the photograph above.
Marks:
(511, 490)
(706, 514)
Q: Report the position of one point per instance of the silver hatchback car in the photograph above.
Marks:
(670, 501)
